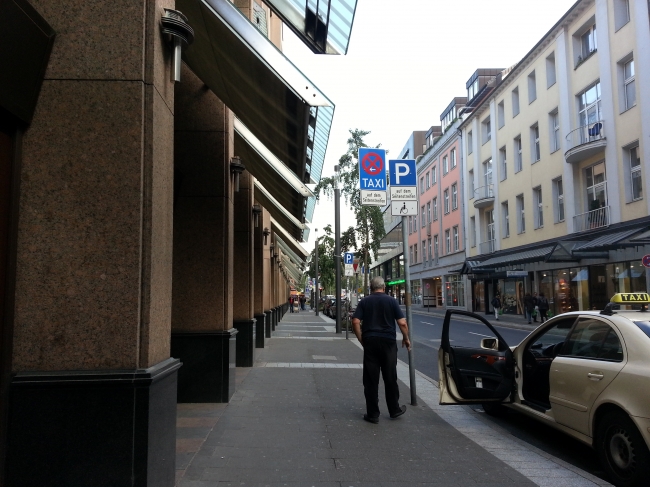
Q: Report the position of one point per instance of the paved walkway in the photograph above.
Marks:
(296, 420)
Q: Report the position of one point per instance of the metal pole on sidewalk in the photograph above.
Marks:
(337, 246)
(409, 314)
(316, 271)
(347, 311)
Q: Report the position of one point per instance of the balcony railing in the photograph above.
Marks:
(585, 141)
(487, 247)
(484, 196)
(592, 219)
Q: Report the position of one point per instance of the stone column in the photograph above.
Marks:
(243, 297)
(202, 334)
(260, 279)
(93, 387)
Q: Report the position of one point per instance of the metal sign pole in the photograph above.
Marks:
(409, 315)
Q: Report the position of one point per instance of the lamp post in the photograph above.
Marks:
(337, 246)
(316, 271)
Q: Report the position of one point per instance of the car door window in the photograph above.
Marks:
(548, 343)
(595, 339)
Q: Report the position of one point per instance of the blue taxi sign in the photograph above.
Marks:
(372, 169)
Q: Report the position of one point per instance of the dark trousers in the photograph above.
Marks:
(380, 355)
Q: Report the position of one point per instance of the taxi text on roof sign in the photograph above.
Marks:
(630, 298)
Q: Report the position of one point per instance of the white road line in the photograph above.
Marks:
(427, 323)
(480, 334)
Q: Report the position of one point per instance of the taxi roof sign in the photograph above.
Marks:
(630, 298)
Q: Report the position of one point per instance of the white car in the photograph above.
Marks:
(586, 373)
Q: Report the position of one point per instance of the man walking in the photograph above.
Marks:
(379, 313)
(496, 304)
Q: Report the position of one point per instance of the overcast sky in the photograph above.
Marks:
(406, 61)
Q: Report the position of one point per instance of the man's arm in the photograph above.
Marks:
(356, 328)
(404, 328)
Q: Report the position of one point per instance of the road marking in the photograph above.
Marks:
(427, 323)
(480, 334)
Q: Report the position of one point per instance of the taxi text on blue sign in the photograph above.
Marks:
(372, 169)
(403, 172)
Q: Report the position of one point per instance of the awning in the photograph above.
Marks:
(295, 258)
(517, 258)
(287, 240)
(256, 81)
(323, 25)
(611, 240)
(291, 225)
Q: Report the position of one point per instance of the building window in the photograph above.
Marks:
(446, 201)
(554, 126)
(532, 87)
(434, 175)
(447, 242)
(454, 196)
(491, 235)
(539, 207)
(588, 43)
(515, 102)
(470, 142)
(435, 209)
(550, 70)
(503, 162)
(629, 86)
(410, 223)
(424, 215)
(634, 163)
(422, 185)
(521, 216)
(411, 254)
(596, 186)
(506, 219)
(472, 231)
(558, 190)
(429, 212)
(415, 253)
(456, 239)
(501, 117)
(435, 247)
(424, 250)
(427, 179)
(470, 178)
(430, 254)
(518, 160)
(487, 174)
(535, 154)
(621, 13)
(452, 158)
(445, 165)
(487, 130)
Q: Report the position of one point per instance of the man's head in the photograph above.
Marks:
(377, 284)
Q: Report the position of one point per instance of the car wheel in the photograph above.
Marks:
(622, 450)
(494, 408)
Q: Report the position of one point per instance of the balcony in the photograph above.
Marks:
(487, 247)
(484, 196)
(592, 219)
(585, 141)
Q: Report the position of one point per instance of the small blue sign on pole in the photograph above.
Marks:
(372, 169)
(403, 172)
(349, 258)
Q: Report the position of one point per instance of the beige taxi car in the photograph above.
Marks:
(586, 373)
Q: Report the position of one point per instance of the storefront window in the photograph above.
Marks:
(512, 297)
(416, 292)
(454, 290)
(571, 289)
(625, 277)
(477, 295)
(394, 268)
(546, 287)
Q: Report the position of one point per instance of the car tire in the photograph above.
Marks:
(495, 409)
(622, 450)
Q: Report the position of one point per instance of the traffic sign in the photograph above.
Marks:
(403, 172)
(401, 193)
(646, 260)
(373, 198)
(348, 258)
(403, 208)
(372, 169)
(349, 272)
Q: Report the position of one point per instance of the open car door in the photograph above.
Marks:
(474, 375)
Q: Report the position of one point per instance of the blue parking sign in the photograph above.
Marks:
(403, 172)
(348, 258)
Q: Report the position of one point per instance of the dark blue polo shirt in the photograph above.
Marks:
(378, 313)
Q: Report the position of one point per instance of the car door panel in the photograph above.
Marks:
(474, 375)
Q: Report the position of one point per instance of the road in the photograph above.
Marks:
(426, 331)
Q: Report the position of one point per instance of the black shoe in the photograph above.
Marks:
(401, 411)
(370, 420)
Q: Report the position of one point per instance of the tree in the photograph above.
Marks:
(326, 263)
(370, 221)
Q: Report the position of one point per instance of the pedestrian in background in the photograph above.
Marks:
(373, 324)
(291, 304)
(529, 307)
(543, 306)
(535, 308)
(496, 304)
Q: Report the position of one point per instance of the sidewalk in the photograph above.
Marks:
(296, 420)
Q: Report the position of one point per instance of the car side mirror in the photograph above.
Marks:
(490, 343)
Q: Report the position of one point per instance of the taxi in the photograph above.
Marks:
(586, 373)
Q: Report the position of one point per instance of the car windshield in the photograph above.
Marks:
(644, 325)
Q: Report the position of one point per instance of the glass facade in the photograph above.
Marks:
(454, 291)
(416, 292)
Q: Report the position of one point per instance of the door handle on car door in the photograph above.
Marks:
(595, 376)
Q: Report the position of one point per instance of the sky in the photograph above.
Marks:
(407, 59)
